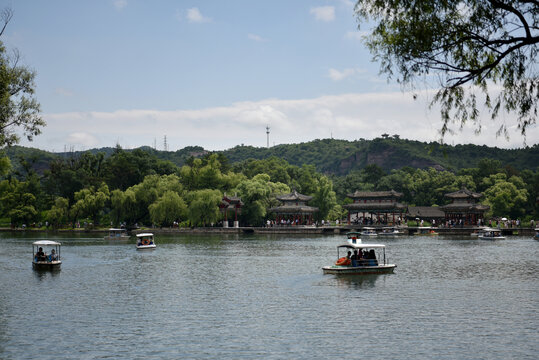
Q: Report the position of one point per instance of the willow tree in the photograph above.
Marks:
(19, 110)
(469, 46)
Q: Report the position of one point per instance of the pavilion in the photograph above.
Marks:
(230, 203)
(382, 204)
(294, 209)
(465, 207)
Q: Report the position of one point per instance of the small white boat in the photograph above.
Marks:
(479, 231)
(368, 231)
(42, 261)
(366, 259)
(390, 231)
(145, 241)
(536, 237)
(491, 234)
(117, 234)
(425, 231)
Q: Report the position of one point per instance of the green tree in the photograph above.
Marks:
(59, 212)
(204, 206)
(17, 202)
(324, 199)
(468, 45)
(168, 208)
(5, 165)
(124, 169)
(90, 203)
(506, 197)
(258, 194)
(124, 207)
(19, 110)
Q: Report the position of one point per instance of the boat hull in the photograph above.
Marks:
(359, 270)
(46, 265)
(123, 237)
(146, 247)
(491, 237)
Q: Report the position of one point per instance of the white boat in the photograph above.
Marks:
(491, 234)
(368, 231)
(536, 237)
(390, 231)
(366, 259)
(145, 241)
(479, 231)
(117, 234)
(43, 261)
(425, 231)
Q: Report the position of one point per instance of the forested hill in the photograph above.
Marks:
(332, 156)
(340, 156)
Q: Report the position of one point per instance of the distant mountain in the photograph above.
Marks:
(330, 156)
(340, 156)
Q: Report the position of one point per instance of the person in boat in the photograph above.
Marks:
(53, 256)
(40, 255)
(355, 258)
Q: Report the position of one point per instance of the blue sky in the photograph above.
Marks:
(214, 74)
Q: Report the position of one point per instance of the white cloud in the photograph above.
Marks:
(324, 13)
(120, 4)
(337, 75)
(195, 16)
(82, 139)
(256, 38)
(346, 116)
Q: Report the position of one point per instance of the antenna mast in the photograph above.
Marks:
(267, 133)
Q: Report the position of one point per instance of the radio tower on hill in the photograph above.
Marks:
(267, 133)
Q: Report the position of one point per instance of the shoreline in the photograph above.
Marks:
(326, 230)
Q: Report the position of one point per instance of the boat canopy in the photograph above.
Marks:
(113, 229)
(46, 243)
(491, 229)
(361, 246)
(144, 234)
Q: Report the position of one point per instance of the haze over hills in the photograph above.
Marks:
(330, 156)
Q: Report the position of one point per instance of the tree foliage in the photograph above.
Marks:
(203, 207)
(90, 202)
(19, 110)
(170, 207)
(469, 45)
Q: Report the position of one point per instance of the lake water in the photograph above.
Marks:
(251, 296)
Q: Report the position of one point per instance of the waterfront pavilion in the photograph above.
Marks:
(426, 213)
(230, 204)
(465, 207)
(294, 208)
(381, 204)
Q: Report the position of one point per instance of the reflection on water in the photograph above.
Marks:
(359, 282)
(211, 296)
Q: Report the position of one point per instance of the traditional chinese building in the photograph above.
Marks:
(294, 209)
(465, 207)
(378, 206)
(432, 214)
(230, 204)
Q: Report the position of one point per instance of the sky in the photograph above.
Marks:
(216, 74)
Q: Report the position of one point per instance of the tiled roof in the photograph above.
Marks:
(375, 206)
(293, 196)
(375, 194)
(289, 209)
(425, 211)
(463, 194)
